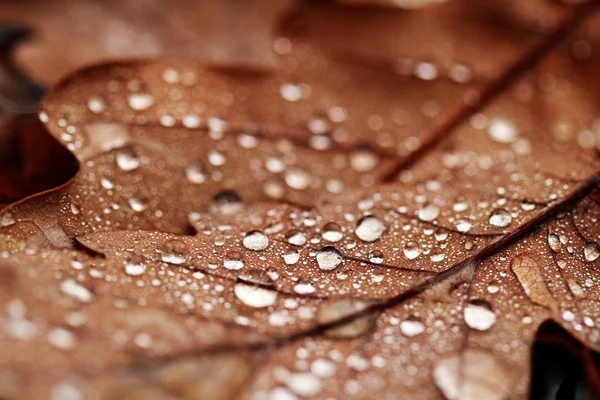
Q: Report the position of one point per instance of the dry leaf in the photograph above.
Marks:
(374, 217)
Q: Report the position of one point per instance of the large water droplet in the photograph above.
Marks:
(233, 261)
(332, 232)
(195, 172)
(255, 240)
(591, 251)
(254, 296)
(127, 161)
(554, 242)
(478, 315)
(329, 258)
(428, 213)
(174, 251)
(140, 101)
(500, 217)
(297, 178)
(412, 250)
(75, 290)
(412, 327)
(502, 131)
(369, 228)
(296, 238)
(463, 226)
(138, 204)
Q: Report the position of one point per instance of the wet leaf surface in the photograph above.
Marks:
(368, 216)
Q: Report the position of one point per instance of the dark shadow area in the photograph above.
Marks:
(562, 368)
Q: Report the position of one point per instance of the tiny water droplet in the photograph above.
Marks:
(138, 204)
(412, 327)
(502, 131)
(96, 104)
(463, 226)
(297, 178)
(363, 159)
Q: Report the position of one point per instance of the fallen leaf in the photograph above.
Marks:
(342, 225)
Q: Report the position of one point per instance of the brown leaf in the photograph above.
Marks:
(342, 225)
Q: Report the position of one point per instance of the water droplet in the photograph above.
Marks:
(329, 258)
(502, 131)
(463, 226)
(254, 296)
(528, 205)
(255, 240)
(363, 159)
(591, 251)
(304, 384)
(195, 172)
(191, 121)
(106, 184)
(428, 213)
(437, 255)
(134, 269)
(291, 92)
(376, 256)
(412, 327)
(297, 178)
(304, 288)
(62, 338)
(332, 232)
(369, 228)
(96, 104)
(140, 101)
(296, 238)
(323, 368)
(412, 250)
(174, 252)
(291, 258)
(225, 203)
(216, 158)
(127, 161)
(138, 204)
(554, 242)
(478, 315)
(75, 290)
(500, 218)
(233, 261)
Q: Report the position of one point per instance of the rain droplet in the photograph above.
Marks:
(363, 159)
(134, 269)
(554, 242)
(291, 92)
(329, 258)
(96, 104)
(296, 238)
(332, 232)
(174, 252)
(195, 172)
(428, 213)
(297, 178)
(138, 204)
(412, 327)
(254, 296)
(500, 217)
(304, 288)
(255, 240)
(591, 251)
(502, 131)
(127, 161)
(75, 290)
(463, 226)
(216, 158)
(437, 255)
(140, 101)
(376, 256)
(412, 250)
(369, 228)
(478, 315)
(233, 261)
(190, 121)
